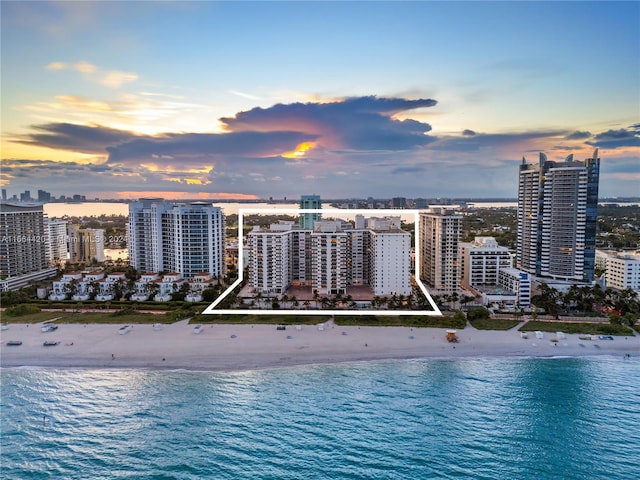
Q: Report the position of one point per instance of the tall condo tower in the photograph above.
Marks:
(184, 238)
(440, 232)
(23, 245)
(557, 213)
(308, 202)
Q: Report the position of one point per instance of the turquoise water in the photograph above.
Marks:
(469, 419)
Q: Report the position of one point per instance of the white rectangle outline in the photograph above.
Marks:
(210, 310)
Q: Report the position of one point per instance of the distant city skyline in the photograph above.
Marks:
(253, 100)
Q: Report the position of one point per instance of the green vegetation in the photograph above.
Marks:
(275, 319)
(576, 327)
(30, 318)
(21, 310)
(418, 321)
(344, 320)
(114, 318)
(493, 324)
(618, 226)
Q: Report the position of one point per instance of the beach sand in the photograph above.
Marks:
(176, 346)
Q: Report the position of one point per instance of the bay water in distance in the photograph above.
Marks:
(558, 418)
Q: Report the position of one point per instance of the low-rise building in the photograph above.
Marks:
(621, 269)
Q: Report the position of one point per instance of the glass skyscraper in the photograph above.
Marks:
(557, 213)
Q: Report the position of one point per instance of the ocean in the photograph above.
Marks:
(560, 418)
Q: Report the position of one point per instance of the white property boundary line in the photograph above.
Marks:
(210, 310)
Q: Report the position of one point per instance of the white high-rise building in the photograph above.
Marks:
(390, 262)
(57, 239)
(23, 245)
(557, 213)
(270, 259)
(440, 232)
(184, 238)
(481, 260)
(331, 257)
(621, 269)
(518, 282)
(145, 230)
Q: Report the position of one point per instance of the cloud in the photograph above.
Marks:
(145, 112)
(300, 147)
(211, 146)
(108, 78)
(354, 123)
(56, 66)
(85, 67)
(79, 138)
(478, 141)
(116, 79)
(244, 95)
(577, 135)
(623, 137)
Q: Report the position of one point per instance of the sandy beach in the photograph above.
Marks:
(243, 347)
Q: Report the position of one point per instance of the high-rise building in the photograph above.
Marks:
(440, 232)
(144, 231)
(57, 239)
(331, 257)
(187, 239)
(85, 244)
(557, 213)
(308, 202)
(398, 202)
(44, 196)
(23, 245)
(4, 194)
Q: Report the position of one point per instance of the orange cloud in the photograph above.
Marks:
(300, 150)
(183, 195)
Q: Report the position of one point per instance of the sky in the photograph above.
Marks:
(219, 100)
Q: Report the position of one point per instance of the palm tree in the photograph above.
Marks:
(152, 289)
(325, 302)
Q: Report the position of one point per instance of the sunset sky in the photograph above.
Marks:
(341, 99)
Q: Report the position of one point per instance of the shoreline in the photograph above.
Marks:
(229, 347)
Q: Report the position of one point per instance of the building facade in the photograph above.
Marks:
(481, 260)
(440, 232)
(621, 269)
(85, 244)
(557, 214)
(518, 282)
(23, 245)
(183, 238)
(308, 202)
(57, 239)
(331, 257)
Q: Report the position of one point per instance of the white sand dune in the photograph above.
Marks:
(261, 346)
